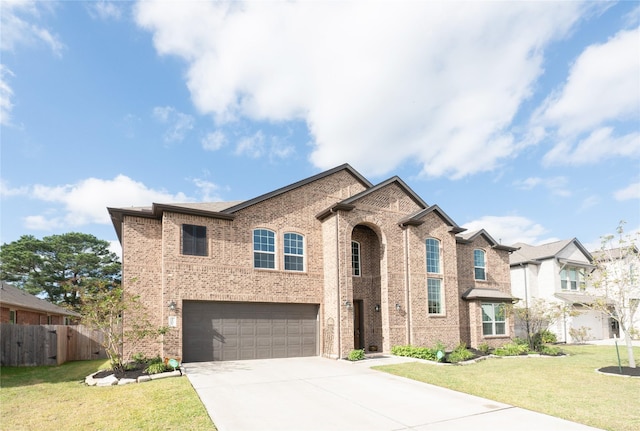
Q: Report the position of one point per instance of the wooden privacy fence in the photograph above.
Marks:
(30, 345)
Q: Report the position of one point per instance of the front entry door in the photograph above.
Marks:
(358, 325)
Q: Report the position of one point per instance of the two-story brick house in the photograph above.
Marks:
(319, 267)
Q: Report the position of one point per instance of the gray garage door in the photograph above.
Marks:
(228, 331)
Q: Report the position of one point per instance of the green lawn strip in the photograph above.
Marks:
(56, 397)
(567, 387)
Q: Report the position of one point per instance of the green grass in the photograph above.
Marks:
(567, 387)
(57, 398)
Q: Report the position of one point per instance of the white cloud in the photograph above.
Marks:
(251, 146)
(104, 10)
(87, 201)
(510, 229)
(214, 141)
(19, 27)
(589, 202)
(602, 90)
(376, 83)
(632, 191)
(556, 185)
(7, 191)
(179, 123)
(6, 94)
(207, 190)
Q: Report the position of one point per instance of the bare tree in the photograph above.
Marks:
(616, 282)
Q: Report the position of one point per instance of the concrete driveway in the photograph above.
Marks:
(300, 394)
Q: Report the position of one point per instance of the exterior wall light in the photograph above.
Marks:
(172, 306)
(348, 305)
(377, 308)
(398, 307)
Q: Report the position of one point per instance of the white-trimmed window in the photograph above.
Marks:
(435, 303)
(12, 316)
(355, 258)
(194, 240)
(479, 264)
(293, 252)
(433, 256)
(572, 279)
(264, 249)
(494, 319)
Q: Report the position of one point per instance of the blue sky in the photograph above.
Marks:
(522, 118)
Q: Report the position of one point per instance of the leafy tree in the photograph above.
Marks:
(616, 281)
(539, 316)
(105, 310)
(63, 267)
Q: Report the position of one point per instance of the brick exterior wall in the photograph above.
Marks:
(497, 277)
(393, 266)
(30, 317)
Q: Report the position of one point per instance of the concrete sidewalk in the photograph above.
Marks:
(315, 393)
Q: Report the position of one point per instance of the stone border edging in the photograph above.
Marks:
(112, 380)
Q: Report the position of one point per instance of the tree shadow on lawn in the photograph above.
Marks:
(75, 371)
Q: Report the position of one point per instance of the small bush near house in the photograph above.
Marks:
(551, 350)
(511, 349)
(580, 334)
(459, 354)
(356, 355)
(415, 352)
(484, 348)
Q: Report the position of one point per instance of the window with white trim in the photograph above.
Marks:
(433, 255)
(479, 265)
(572, 279)
(264, 249)
(194, 240)
(293, 252)
(494, 318)
(435, 303)
(355, 258)
(12, 316)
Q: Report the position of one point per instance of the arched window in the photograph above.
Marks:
(433, 256)
(293, 252)
(479, 265)
(264, 249)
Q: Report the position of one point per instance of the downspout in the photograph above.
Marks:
(526, 300)
(339, 317)
(407, 280)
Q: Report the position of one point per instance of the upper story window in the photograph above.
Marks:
(572, 279)
(194, 240)
(264, 249)
(12, 316)
(433, 255)
(355, 258)
(479, 264)
(293, 252)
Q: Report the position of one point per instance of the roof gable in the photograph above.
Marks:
(535, 254)
(393, 180)
(418, 218)
(470, 237)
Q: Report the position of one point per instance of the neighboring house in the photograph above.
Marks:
(21, 308)
(557, 272)
(319, 267)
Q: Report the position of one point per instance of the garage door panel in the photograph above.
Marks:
(232, 331)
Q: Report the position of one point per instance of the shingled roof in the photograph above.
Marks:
(11, 295)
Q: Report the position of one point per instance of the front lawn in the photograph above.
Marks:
(567, 387)
(56, 398)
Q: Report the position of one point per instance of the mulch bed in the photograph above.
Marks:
(626, 371)
(127, 374)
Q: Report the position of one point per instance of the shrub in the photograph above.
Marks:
(551, 350)
(579, 334)
(459, 354)
(511, 349)
(156, 368)
(484, 348)
(542, 337)
(356, 355)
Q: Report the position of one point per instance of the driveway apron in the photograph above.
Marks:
(300, 394)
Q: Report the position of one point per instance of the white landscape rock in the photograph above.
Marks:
(108, 381)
